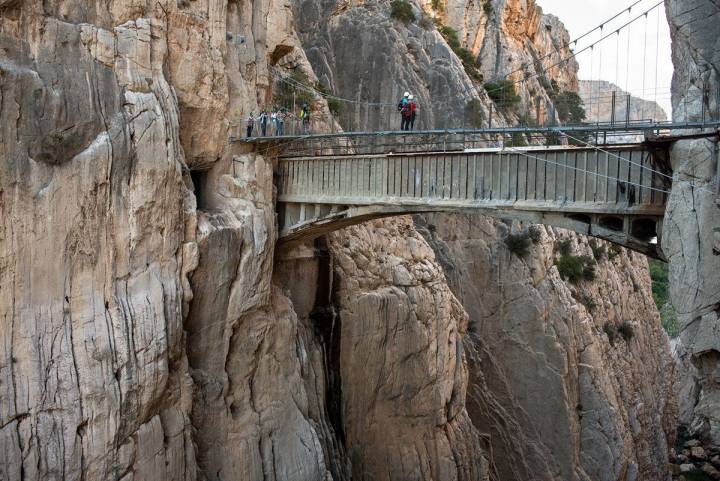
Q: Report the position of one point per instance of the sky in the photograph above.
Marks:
(611, 59)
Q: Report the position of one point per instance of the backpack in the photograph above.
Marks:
(406, 110)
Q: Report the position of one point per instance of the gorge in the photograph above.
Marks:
(152, 328)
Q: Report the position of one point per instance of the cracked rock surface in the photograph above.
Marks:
(692, 221)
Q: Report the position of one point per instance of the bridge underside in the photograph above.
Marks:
(639, 232)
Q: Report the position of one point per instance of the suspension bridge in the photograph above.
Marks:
(610, 180)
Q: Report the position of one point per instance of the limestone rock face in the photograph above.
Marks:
(96, 241)
(559, 388)
(365, 55)
(142, 337)
(692, 223)
(514, 39)
(597, 96)
(402, 363)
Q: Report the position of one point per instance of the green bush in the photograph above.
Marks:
(570, 268)
(626, 330)
(402, 10)
(519, 244)
(286, 92)
(503, 93)
(660, 285)
(438, 5)
(569, 107)
(466, 57)
(576, 268)
(474, 114)
(334, 104)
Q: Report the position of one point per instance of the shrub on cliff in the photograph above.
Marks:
(519, 244)
(333, 103)
(660, 284)
(503, 93)
(576, 268)
(570, 268)
(290, 93)
(569, 107)
(466, 56)
(402, 10)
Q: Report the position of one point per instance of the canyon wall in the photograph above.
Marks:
(152, 330)
(691, 231)
(569, 380)
(597, 97)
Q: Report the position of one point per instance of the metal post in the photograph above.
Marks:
(627, 111)
(491, 116)
(612, 113)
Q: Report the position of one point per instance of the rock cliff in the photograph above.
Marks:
(691, 232)
(597, 97)
(567, 380)
(151, 330)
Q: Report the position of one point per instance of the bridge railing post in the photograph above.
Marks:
(627, 111)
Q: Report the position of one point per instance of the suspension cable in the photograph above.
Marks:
(575, 54)
(576, 40)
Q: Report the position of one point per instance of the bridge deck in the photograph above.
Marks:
(599, 193)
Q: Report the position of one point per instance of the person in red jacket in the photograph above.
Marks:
(413, 112)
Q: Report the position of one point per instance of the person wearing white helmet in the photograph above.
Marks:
(400, 107)
(407, 113)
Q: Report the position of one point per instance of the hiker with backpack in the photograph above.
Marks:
(407, 111)
(413, 112)
(401, 105)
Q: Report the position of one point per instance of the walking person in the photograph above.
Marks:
(400, 107)
(305, 116)
(281, 122)
(406, 114)
(263, 122)
(413, 112)
(250, 124)
(273, 120)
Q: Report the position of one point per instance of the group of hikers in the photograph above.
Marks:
(276, 120)
(408, 111)
(407, 107)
